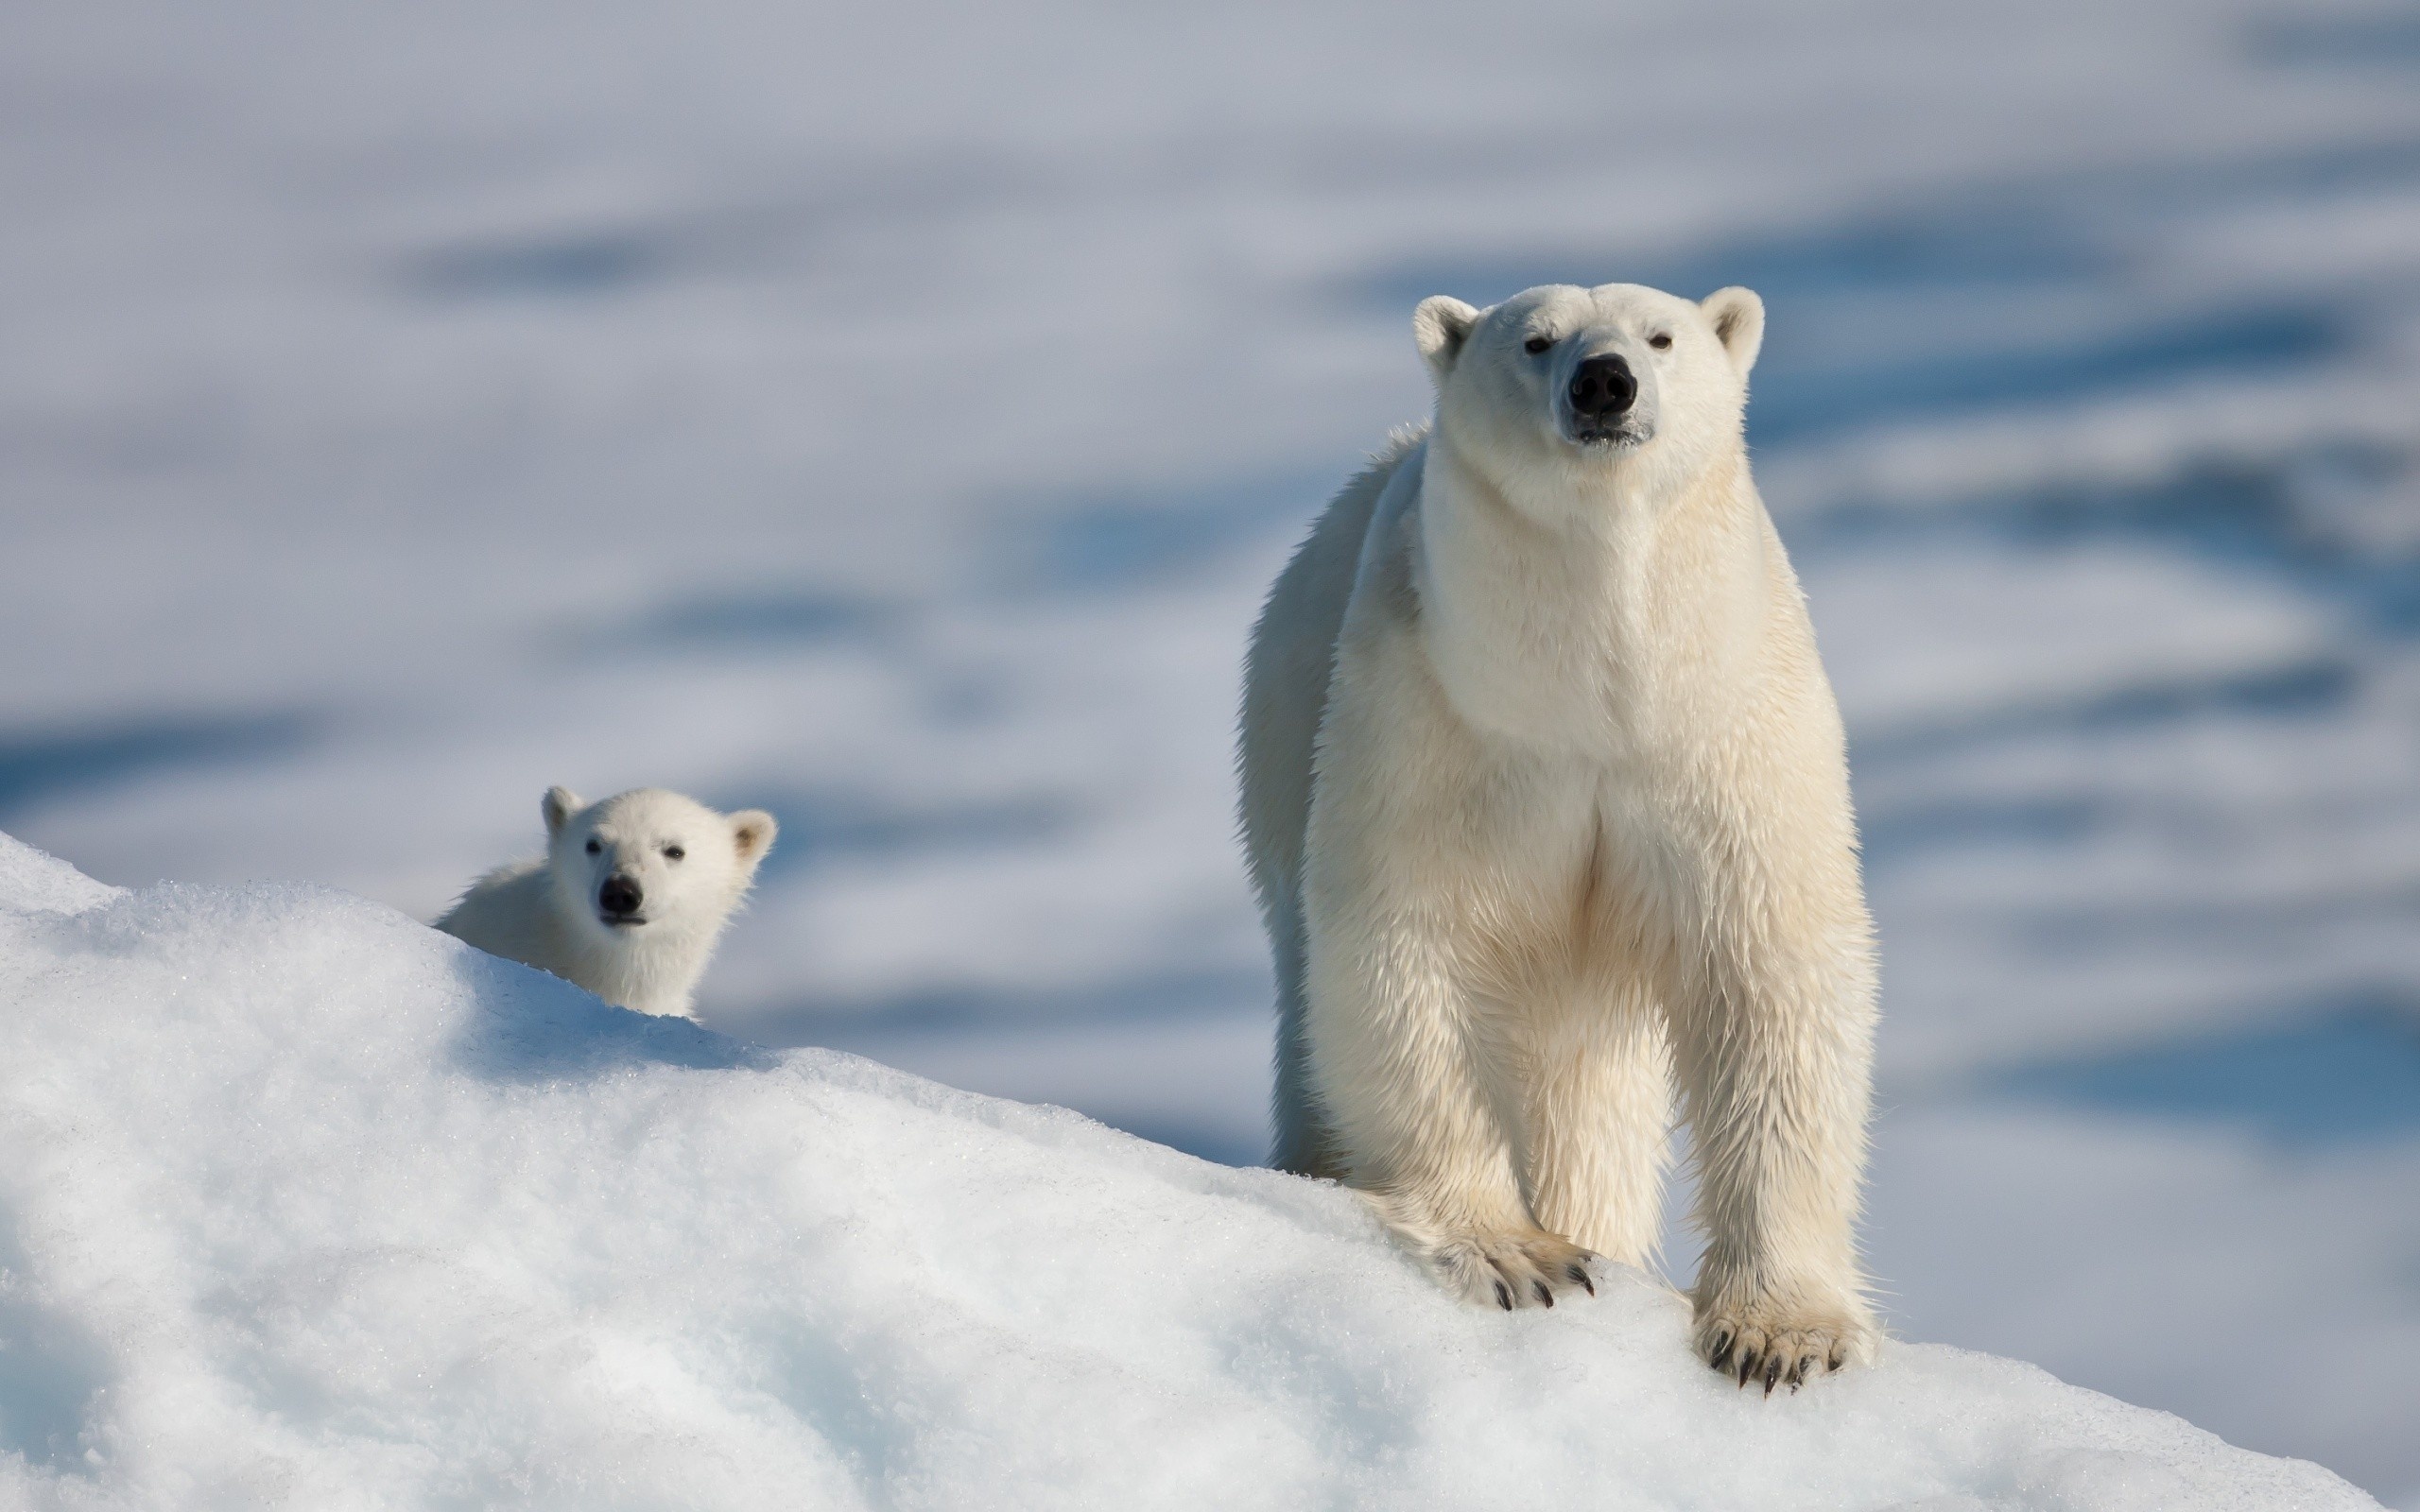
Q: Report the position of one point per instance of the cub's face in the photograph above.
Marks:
(1575, 381)
(651, 863)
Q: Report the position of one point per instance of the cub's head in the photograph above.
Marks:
(1570, 382)
(649, 862)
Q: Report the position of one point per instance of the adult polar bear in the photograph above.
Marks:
(1547, 800)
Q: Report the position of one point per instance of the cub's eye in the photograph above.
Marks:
(673, 852)
(1659, 340)
(594, 849)
(1535, 345)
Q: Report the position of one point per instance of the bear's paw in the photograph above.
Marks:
(1512, 1270)
(1780, 1345)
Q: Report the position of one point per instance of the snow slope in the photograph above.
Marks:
(310, 1206)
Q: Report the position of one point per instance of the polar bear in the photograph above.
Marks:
(1547, 803)
(630, 899)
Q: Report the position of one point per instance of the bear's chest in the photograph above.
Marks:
(1564, 877)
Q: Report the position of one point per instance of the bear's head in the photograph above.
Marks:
(1560, 386)
(651, 863)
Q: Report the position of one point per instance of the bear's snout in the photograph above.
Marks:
(1602, 387)
(619, 900)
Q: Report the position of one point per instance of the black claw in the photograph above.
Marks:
(1721, 1355)
(1546, 1293)
(1504, 1297)
(1747, 1364)
(1836, 1359)
(1773, 1373)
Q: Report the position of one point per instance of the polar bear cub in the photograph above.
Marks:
(1547, 809)
(630, 899)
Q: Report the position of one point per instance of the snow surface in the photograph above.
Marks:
(308, 1205)
(906, 406)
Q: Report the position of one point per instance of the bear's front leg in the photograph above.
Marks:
(1774, 1052)
(1398, 1064)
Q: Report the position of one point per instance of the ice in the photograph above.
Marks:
(310, 1206)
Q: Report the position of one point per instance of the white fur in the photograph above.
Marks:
(546, 912)
(1547, 807)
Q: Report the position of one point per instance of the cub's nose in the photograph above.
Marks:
(1602, 386)
(619, 897)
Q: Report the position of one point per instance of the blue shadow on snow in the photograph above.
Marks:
(2267, 517)
(1903, 311)
(1115, 541)
(820, 827)
(2306, 688)
(572, 265)
(38, 766)
(51, 1365)
(2345, 1075)
(534, 1027)
(770, 619)
(865, 1026)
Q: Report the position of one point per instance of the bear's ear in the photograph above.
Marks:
(752, 832)
(1739, 320)
(557, 806)
(1438, 328)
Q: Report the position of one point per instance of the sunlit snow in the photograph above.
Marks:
(311, 1205)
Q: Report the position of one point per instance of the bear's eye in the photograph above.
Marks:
(1535, 345)
(594, 849)
(673, 852)
(1660, 341)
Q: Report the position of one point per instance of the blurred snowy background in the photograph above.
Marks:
(891, 417)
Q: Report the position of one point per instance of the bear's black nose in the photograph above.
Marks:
(1602, 386)
(619, 897)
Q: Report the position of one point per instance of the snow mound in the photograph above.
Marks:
(31, 882)
(307, 1205)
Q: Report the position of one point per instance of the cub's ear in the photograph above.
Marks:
(752, 832)
(1738, 320)
(557, 806)
(1438, 328)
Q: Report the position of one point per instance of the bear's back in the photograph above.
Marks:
(1287, 671)
(511, 912)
